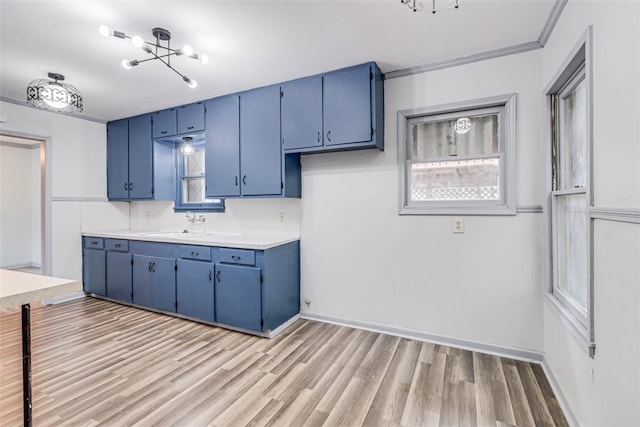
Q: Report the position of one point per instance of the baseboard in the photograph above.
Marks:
(64, 298)
(497, 350)
(564, 405)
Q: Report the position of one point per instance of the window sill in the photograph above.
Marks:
(575, 328)
(457, 210)
(198, 209)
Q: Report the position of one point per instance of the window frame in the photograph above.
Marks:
(179, 205)
(576, 68)
(505, 106)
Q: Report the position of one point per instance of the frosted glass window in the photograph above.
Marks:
(194, 163)
(573, 134)
(572, 247)
(458, 136)
(460, 159)
(570, 197)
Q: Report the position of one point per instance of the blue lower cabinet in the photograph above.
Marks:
(256, 290)
(238, 296)
(195, 290)
(154, 282)
(94, 269)
(119, 276)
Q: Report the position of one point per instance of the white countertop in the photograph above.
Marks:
(245, 239)
(18, 288)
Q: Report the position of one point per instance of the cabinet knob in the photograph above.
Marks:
(117, 245)
(318, 136)
(218, 276)
(163, 132)
(329, 136)
(189, 127)
(210, 275)
(236, 180)
(244, 180)
(194, 253)
(126, 186)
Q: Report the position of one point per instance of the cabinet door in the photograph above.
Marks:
(163, 284)
(164, 123)
(222, 155)
(194, 289)
(301, 107)
(140, 158)
(142, 279)
(119, 276)
(260, 149)
(191, 118)
(118, 159)
(94, 274)
(238, 296)
(154, 282)
(347, 106)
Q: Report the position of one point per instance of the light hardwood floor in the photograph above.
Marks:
(101, 363)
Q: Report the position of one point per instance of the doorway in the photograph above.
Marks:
(23, 208)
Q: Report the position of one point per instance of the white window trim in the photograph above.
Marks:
(507, 206)
(579, 55)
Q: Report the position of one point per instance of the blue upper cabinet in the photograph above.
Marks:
(222, 155)
(165, 123)
(347, 106)
(118, 159)
(351, 112)
(260, 152)
(132, 158)
(191, 118)
(140, 158)
(243, 153)
(302, 113)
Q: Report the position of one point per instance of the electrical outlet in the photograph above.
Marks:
(458, 225)
(147, 215)
(283, 217)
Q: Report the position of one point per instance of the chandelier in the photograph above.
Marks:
(433, 6)
(54, 95)
(157, 50)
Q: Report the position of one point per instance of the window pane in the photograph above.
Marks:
(477, 179)
(194, 163)
(193, 190)
(572, 247)
(460, 136)
(573, 138)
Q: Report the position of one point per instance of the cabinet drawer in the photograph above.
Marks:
(237, 256)
(117, 245)
(195, 252)
(93, 242)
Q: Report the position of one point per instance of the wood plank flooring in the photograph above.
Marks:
(101, 363)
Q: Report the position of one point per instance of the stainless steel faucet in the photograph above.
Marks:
(193, 219)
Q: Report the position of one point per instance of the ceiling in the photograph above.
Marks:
(249, 43)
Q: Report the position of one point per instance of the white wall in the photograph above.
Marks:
(77, 178)
(17, 204)
(362, 261)
(36, 208)
(605, 391)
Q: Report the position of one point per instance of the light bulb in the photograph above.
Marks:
(105, 31)
(127, 64)
(147, 48)
(137, 41)
(187, 148)
(204, 59)
(187, 50)
(192, 83)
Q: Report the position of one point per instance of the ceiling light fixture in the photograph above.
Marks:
(54, 95)
(187, 146)
(436, 5)
(157, 50)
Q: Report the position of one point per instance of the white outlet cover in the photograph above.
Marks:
(458, 225)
